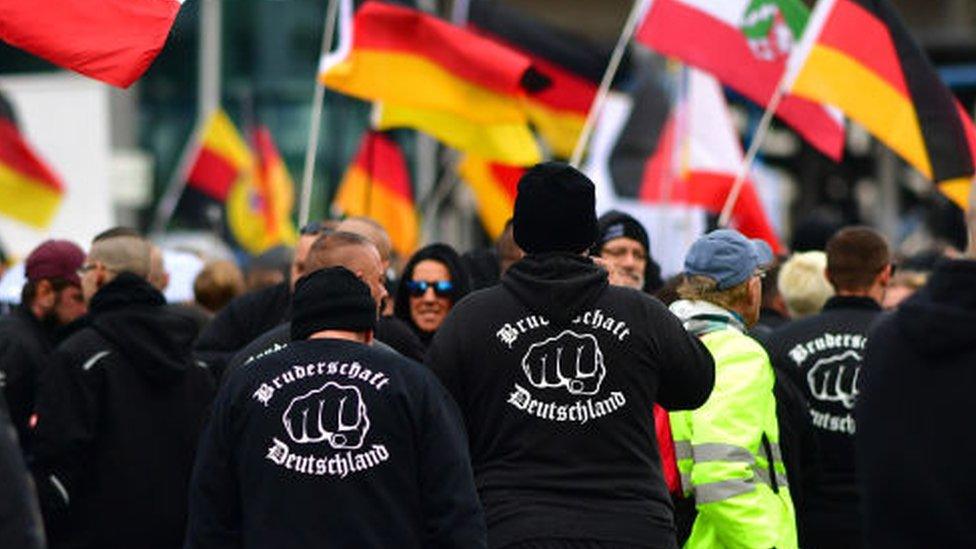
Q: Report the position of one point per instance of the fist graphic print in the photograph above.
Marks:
(835, 379)
(332, 413)
(568, 360)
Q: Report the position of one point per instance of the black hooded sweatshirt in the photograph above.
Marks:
(459, 276)
(119, 411)
(332, 443)
(556, 373)
(915, 442)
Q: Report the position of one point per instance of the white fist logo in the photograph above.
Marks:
(568, 360)
(332, 413)
(835, 379)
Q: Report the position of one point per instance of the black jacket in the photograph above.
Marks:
(459, 276)
(240, 322)
(330, 443)
(119, 411)
(20, 519)
(25, 344)
(915, 443)
(556, 374)
(824, 354)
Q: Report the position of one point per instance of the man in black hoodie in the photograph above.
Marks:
(119, 411)
(823, 354)
(556, 373)
(331, 443)
(915, 443)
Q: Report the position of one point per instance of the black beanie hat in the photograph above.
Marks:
(555, 210)
(331, 299)
(616, 224)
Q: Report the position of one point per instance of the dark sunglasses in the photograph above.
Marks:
(443, 288)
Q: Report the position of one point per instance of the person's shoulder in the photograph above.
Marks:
(262, 297)
(479, 298)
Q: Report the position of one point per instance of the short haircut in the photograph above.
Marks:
(120, 254)
(371, 229)
(333, 249)
(803, 283)
(116, 231)
(218, 283)
(855, 256)
(703, 288)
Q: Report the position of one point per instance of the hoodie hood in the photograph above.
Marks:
(940, 319)
(129, 313)
(459, 276)
(556, 285)
(702, 317)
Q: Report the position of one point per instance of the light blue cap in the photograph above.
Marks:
(727, 257)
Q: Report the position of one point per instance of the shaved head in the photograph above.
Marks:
(372, 230)
(130, 254)
(354, 252)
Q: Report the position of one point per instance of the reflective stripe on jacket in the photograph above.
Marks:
(724, 448)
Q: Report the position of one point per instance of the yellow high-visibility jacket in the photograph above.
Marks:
(725, 447)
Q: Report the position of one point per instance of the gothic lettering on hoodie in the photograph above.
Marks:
(510, 331)
(325, 429)
(832, 378)
(564, 375)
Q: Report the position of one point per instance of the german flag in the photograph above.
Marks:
(377, 185)
(858, 56)
(259, 207)
(404, 57)
(222, 158)
(573, 66)
(494, 186)
(31, 191)
(506, 143)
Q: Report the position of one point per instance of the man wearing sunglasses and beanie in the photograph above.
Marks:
(556, 373)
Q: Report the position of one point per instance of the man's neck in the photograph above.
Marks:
(358, 337)
(875, 292)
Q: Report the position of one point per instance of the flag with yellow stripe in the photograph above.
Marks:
(494, 186)
(858, 56)
(31, 192)
(377, 185)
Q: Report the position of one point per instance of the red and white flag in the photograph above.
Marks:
(114, 41)
(745, 44)
(698, 158)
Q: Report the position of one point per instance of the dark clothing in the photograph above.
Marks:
(119, 411)
(445, 255)
(769, 321)
(25, 344)
(20, 518)
(330, 443)
(483, 266)
(279, 337)
(243, 319)
(571, 544)
(195, 313)
(556, 374)
(824, 353)
(915, 447)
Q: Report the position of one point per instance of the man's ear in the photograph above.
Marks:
(369, 337)
(45, 296)
(884, 277)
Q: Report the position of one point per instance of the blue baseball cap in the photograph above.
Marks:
(727, 257)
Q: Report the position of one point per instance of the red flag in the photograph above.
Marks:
(114, 41)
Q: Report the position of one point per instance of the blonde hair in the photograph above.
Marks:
(217, 284)
(803, 283)
(123, 254)
(703, 288)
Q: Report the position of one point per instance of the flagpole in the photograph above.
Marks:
(757, 139)
(318, 98)
(177, 182)
(601, 95)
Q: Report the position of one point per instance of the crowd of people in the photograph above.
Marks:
(552, 391)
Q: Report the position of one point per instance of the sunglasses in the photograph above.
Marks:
(442, 288)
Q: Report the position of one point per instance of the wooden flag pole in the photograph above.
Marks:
(601, 95)
(314, 120)
(757, 139)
